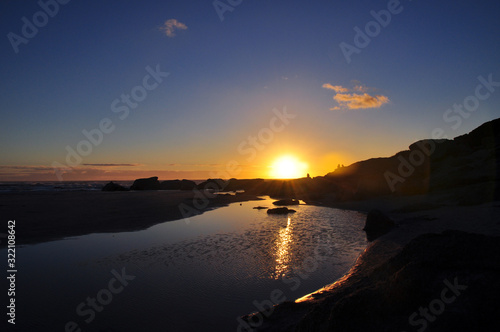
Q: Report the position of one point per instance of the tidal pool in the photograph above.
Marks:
(186, 275)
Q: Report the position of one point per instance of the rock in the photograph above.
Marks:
(282, 210)
(146, 184)
(213, 184)
(260, 207)
(289, 201)
(187, 185)
(177, 185)
(377, 224)
(111, 186)
(445, 282)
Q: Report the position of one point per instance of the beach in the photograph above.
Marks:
(50, 215)
(405, 269)
(189, 274)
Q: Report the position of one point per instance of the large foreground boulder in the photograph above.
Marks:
(445, 282)
(438, 282)
(377, 224)
(146, 184)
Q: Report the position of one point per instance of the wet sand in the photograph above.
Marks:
(44, 216)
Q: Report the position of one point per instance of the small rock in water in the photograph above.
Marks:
(282, 210)
(289, 201)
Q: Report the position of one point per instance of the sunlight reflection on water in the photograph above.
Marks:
(283, 254)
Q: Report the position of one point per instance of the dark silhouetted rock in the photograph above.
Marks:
(282, 210)
(260, 208)
(377, 223)
(177, 185)
(429, 166)
(146, 184)
(460, 268)
(213, 184)
(111, 186)
(285, 202)
(187, 185)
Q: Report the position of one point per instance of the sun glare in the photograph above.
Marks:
(288, 167)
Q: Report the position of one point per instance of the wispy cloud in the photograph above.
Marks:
(113, 165)
(195, 165)
(171, 25)
(360, 88)
(25, 168)
(105, 172)
(336, 88)
(355, 100)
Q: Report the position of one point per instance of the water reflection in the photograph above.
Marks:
(216, 266)
(283, 252)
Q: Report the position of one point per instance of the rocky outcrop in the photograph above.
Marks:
(286, 202)
(146, 184)
(438, 282)
(214, 184)
(428, 166)
(377, 224)
(177, 185)
(111, 186)
(282, 210)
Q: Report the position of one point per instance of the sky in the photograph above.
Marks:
(117, 90)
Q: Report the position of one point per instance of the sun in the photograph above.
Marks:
(288, 167)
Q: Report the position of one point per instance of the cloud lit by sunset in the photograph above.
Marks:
(355, 100)
(171, 25)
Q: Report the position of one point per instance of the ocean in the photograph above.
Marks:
(6, 187)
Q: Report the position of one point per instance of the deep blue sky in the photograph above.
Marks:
(227, 76)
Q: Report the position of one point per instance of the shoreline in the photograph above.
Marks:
(49, 216)
(317, 308)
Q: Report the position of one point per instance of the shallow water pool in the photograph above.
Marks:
(188, 275)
